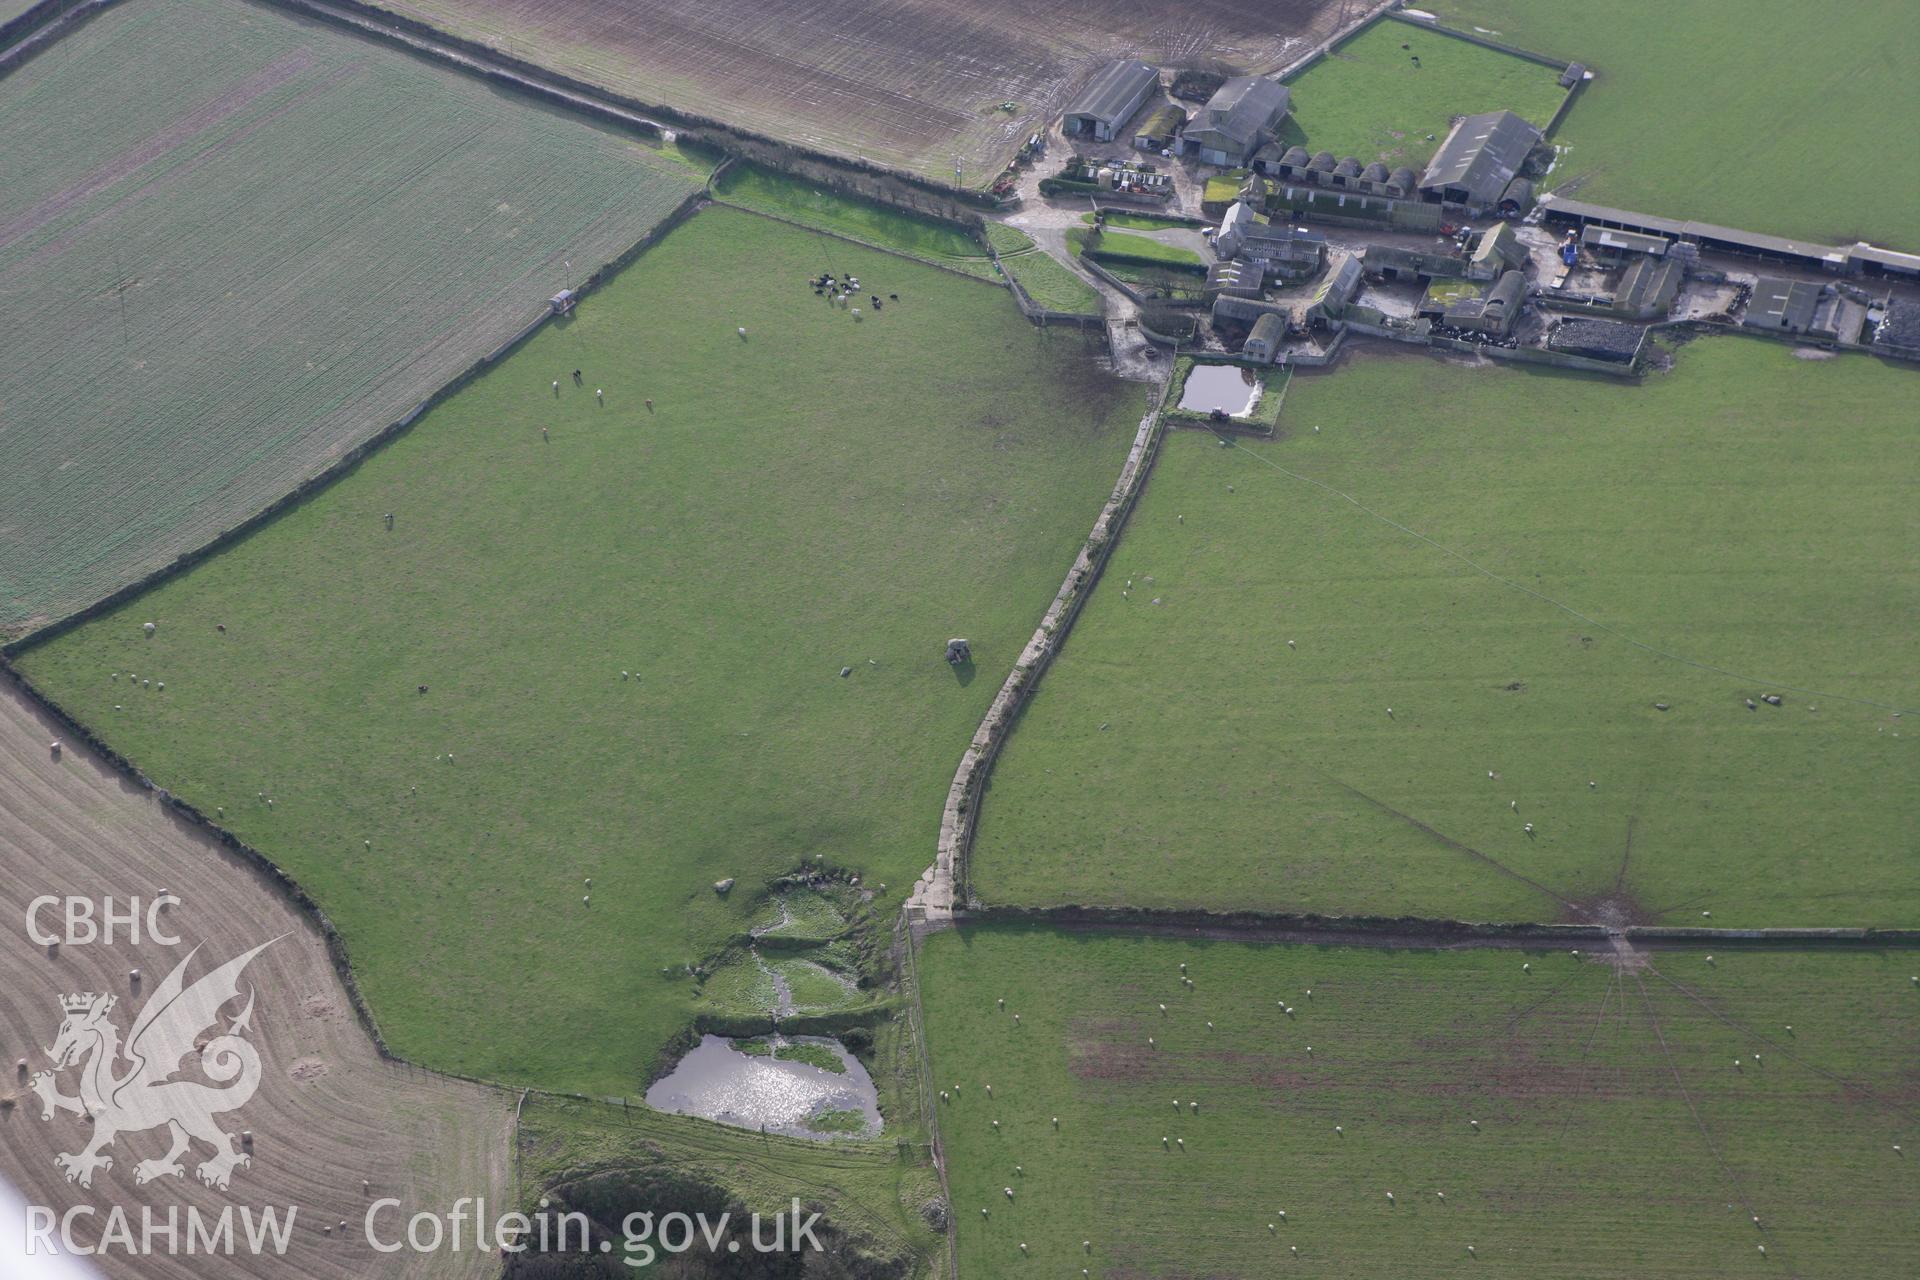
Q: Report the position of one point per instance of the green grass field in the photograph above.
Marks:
(1047, 282)
(1710, 119)
(788, 197)
(1051, 285)
(233, 245)
(1367, 98)
(632, 636)
(1140, 221)
(1748, 511)
(1615, 1136)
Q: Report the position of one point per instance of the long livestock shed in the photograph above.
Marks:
(1110, 100)
(1858, 259)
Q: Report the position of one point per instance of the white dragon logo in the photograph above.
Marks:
(144, 1095)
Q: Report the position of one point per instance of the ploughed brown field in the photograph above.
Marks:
(911, 84)
(329, 1111)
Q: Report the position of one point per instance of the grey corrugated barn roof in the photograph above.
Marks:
(1348, 168)
(1241, 108)
(1269, 328)
(1401, 177)
(1782, 304)
(1296, 156)
(1112, 94)
(1708, 234)
(1375, 172)
(1322, 160)
(1481, 155)
(1508, 290)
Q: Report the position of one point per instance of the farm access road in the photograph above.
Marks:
(329, 1112)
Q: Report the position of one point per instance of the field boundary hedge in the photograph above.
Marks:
(29, 33)
(1408, 932)
(1542, 59)
(276, 876)
(492, 63)
(864, 244)
(1562, 65)
(313, 484)
(959, 817)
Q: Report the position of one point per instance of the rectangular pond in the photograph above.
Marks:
(1226, 387)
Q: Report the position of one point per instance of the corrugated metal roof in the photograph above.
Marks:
(1481, 155)
(1782, 304)
(1623, 241)
(1686, 229)
(1241, 108)
(1115, 92)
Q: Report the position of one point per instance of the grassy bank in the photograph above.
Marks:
(799, 201)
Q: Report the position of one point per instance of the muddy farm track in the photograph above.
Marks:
(329, 1111)
(916, 85)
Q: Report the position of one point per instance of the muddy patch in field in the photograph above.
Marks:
(307, 1070)
(1111, 1051)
